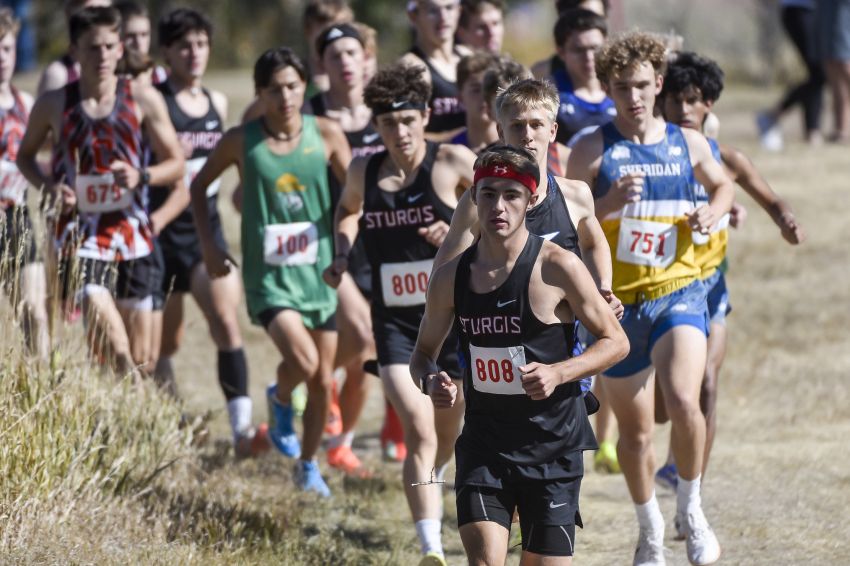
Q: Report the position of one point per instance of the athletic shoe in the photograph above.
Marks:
(650, 548)
(393, 448)
(343, 458)
(667, 477)
(702, 544)
(605, 461)
(281, 430)
(433, 559)
(770, 134)
(253, 442)
(681, 525)
(334, 425)
(308, 478)
(299, 400)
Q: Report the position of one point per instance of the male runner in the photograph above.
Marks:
(480, 128)
(481, 24)
(286, 243)
(578, 35)
(400, 202)
(692, 84)
(136, 35)
(643, 170)
(102, 125)
(23, 273)
(512, 299)
(434, 49)
(66, 69)
(198, 115)
(342, 54)
(318, 15)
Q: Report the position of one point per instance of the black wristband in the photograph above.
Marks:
(423, 383)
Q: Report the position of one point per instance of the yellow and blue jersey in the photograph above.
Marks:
(651, 241)
(710, 249)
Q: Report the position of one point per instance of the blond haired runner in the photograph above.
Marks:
(642, 170)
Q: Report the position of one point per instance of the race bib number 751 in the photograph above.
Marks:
(643, 242)
(496, 370)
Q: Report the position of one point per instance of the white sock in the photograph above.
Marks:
(649, 515)
(687, 495)
(344, 439)
(239, 411)
(428, 531)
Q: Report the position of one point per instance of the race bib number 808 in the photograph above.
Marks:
(496, 370)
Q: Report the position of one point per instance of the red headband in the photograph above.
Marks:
(505, 172)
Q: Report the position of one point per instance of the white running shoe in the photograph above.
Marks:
(681, 525)
(650, 548)
(770, 133)
(703, 547)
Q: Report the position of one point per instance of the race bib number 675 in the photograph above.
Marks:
(99, 193)
(496, 370)
(643, 242)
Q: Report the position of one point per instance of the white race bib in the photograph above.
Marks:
(296, 243)
(405, 284)
(643, 242)
(13, 184)
(702, 239)
(193, 167)
(99, 193)
(496, 370)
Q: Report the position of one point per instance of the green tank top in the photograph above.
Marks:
(286, 224)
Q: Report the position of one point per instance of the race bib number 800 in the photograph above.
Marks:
(643, 242)
(296, 243)
(405, 284)
(496, 370)
(99, 193)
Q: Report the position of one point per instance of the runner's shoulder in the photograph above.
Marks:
(577, 193)
(442, 283)
(558, 262)
(219, 102)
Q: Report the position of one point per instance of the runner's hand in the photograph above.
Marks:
(737, 215)
(613, 302)
(442, 390)
(125, 175)
(625, 190)
(63, 196)
(435, 234)
(218, 262)
(333, 273)
(539, 380)
(791, 230)
(701, 219)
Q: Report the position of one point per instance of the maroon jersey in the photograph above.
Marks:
(112, 221)
(13, 123)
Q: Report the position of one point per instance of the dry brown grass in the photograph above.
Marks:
(776, 491)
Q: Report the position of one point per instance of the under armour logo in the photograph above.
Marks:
(334, 33)
(500, 170)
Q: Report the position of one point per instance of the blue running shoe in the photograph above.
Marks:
(281, 432)
(667, 476)
(308, 478)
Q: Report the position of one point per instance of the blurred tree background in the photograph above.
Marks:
(743, 35)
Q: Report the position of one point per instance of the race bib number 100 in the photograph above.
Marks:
(405, 284)
(296, 243)
(13, 185)
(496, 370)
(643, 242)
(99, 193)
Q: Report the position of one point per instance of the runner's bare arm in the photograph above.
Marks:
(337, 150)
(435, 326)
(463, 160)
(462, 230)
(227, 152)
(346, 219)
(39, 128)
(170, 165)
(55, 76)
(566, 272)
(721, 191)
(748, 177)
(176, 202)
(591, 238)
(583, 165)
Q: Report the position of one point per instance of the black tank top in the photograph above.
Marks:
(401, 259)
(551, 219)
(202, 134)
(447, 113)
(498, 333)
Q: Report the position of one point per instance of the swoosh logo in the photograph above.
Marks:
(211, 124)
(369, 138)
(399, 103)
(415, 198)
(550, 235)
(500, 304)
(553, 506)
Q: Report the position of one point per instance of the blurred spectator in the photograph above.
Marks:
(798, 18)
(833, 28)
(26, 37)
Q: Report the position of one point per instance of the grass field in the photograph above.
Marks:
(776, 491)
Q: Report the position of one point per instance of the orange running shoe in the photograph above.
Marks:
(253, 443)
(393, 448)
(334, 425)
(343, 458)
